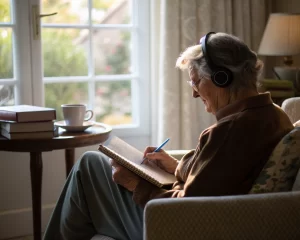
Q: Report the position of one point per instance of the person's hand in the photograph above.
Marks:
(123, 176)
(161, 159)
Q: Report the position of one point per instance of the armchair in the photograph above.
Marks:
(291, 107)
(268, 216)
(274, 214)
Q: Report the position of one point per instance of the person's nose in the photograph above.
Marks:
(195, 94)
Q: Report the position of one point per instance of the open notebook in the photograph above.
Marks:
(131, 158)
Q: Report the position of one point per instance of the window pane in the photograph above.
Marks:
(64, 53)
(113, 104)
(5, 11)
(111, 11)
(6, 57)
(111, 49)
(7, 97)
(57, 94)
(68, 11)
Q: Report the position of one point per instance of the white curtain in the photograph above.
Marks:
(177, 24)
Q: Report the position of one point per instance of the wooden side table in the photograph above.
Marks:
(66, 140)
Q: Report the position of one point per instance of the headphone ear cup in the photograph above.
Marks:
(221, 77)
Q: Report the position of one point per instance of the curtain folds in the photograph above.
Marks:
(177, 24)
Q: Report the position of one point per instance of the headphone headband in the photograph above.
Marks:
(205, 47)
(220, 76)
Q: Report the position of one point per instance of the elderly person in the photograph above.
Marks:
(229, 156)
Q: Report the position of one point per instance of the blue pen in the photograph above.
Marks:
(158, 148)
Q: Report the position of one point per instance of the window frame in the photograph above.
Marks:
(28, 65)
(21, 52)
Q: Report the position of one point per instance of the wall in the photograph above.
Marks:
(15, 188)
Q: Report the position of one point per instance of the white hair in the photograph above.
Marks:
(225, 51)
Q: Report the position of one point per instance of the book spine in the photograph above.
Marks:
(281, 94)
(37, 116)
(276, 84)
(8, 116)
(34, 135)
(28, 127)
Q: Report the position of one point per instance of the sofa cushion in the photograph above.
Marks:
(281, 169)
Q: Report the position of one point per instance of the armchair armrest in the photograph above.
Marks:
(178, 154)
(270, 216)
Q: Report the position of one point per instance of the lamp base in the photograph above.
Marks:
(289, 73)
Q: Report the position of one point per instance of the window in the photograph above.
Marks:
(7, 66)
(94, 52)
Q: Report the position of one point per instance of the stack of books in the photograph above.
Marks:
(279, 89)
(27, 122)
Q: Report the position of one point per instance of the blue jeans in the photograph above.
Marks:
(91, 203)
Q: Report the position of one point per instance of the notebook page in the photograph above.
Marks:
(135, 157)
(151, 169)
(124, 149)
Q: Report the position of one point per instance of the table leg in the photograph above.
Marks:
(69, 156)
(36, 172)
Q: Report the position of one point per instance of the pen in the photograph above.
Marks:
(158, 148)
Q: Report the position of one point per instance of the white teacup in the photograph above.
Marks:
(74, 114)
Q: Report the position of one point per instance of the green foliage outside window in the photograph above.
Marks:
(119, 61)
(6, 67)
(62, 57)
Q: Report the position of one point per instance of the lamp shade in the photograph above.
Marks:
(281, 36)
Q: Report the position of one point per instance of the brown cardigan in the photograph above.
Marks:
(229, 155)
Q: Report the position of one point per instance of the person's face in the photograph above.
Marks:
(210, 94)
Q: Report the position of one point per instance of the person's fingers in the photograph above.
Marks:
(116, 170)
(119, 173)
(149, 150)
(113, 163)
(156, 155)
(116, 173)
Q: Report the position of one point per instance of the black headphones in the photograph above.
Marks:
(221, 76)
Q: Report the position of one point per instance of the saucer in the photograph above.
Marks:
(82, 128)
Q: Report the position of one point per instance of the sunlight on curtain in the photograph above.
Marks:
(177, 24)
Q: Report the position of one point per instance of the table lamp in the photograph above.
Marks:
(282, 38)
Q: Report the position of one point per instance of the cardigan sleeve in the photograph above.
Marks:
(205, 171)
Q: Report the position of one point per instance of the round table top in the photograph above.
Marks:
(96, 134)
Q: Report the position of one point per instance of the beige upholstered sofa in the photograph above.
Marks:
(273, 214)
